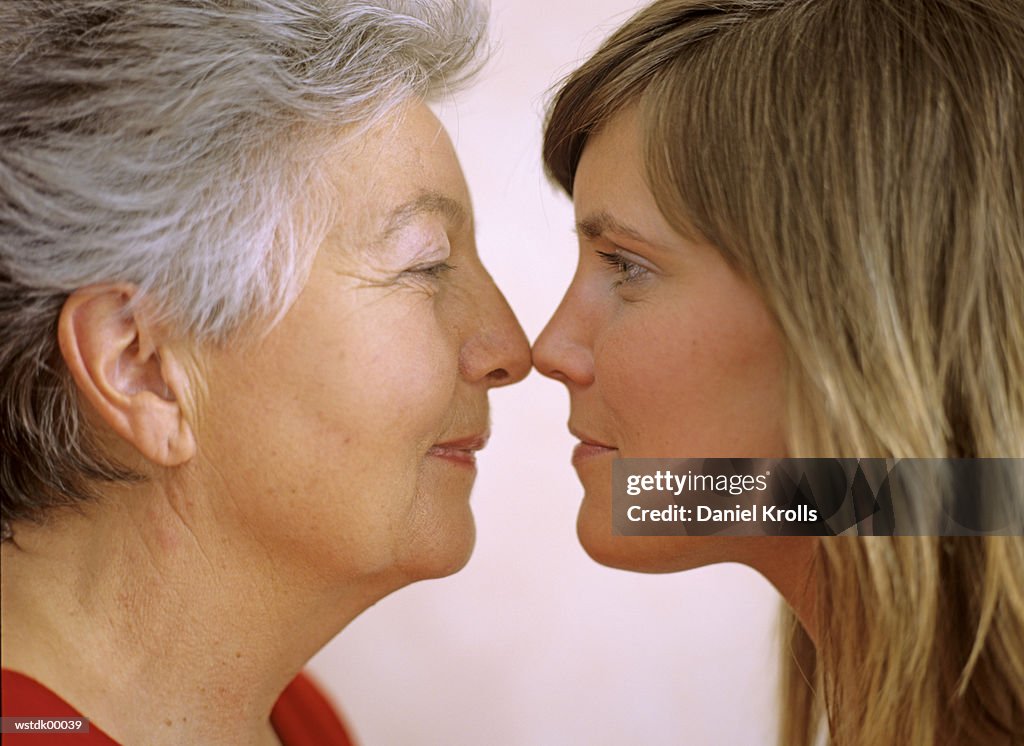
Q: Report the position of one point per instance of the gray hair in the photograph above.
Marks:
(175, 145)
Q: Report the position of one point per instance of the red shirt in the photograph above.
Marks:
(302, 715)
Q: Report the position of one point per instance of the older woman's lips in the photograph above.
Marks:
(461, 452)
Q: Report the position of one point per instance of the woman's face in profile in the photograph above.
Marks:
(666, 351)
(345, 440)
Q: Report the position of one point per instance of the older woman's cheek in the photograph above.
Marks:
(320, 436)
(434, 531)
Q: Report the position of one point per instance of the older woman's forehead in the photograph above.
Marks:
(402, 171)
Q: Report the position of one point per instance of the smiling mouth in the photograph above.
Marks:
(461, 452)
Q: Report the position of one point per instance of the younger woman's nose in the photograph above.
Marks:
(561, 351)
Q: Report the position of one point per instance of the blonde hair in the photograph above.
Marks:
(863, 164)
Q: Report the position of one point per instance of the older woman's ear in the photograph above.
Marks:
(128, 373)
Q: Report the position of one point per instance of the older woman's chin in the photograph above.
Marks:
(440, 543)
(446, 559)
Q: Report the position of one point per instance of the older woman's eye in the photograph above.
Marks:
(429, 272)
(435, 270)
(626, 270)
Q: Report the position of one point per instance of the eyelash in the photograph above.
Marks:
(434, 271)
(428, 277)
(628, 271)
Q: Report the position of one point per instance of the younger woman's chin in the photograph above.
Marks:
(653, 554)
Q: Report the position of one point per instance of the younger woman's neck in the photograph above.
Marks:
(789, 564)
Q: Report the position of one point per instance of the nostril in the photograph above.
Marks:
(498, 375)
(556, 375)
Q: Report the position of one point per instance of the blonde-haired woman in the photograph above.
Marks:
(802, 234)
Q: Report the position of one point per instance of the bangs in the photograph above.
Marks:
(767, 134)
(619, 74)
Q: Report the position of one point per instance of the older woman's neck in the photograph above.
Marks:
(162, 608)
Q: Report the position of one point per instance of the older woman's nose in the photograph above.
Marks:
(562, 351)
(498, 352)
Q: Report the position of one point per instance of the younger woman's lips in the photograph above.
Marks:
(584, 451)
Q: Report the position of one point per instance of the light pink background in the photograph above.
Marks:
(533, 643)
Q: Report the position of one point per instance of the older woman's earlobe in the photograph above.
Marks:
(127, 372)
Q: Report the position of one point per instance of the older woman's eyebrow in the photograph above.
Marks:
(426, 202)
(599, 223)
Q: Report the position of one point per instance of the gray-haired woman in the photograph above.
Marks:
(245, 348)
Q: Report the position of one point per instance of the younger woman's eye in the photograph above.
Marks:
(626, 270)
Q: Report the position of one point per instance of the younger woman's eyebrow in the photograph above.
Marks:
(599, 223)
